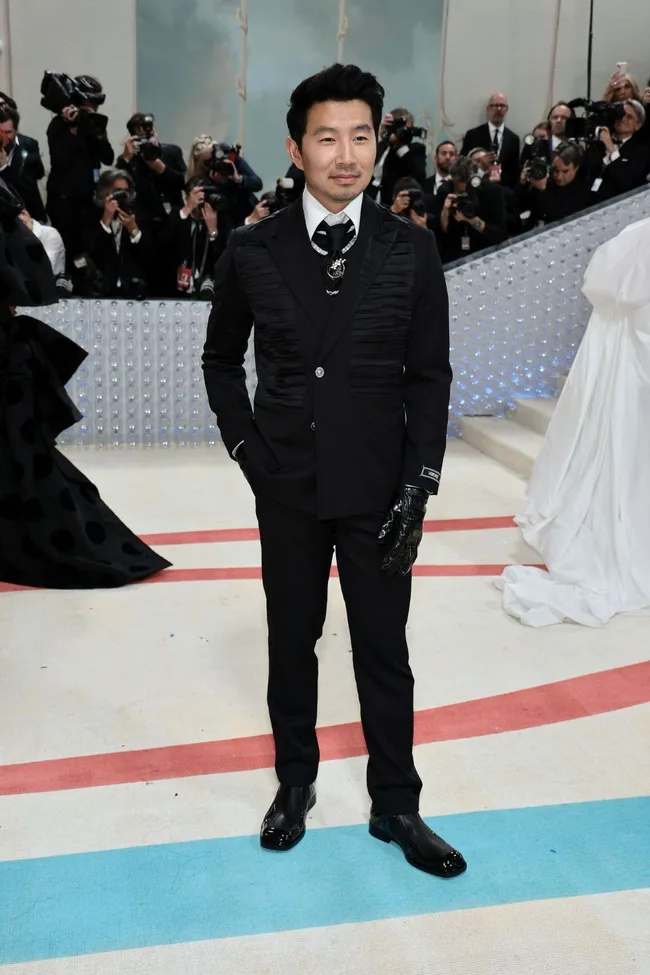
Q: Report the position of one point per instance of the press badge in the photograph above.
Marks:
(495, 173)
(465, 244)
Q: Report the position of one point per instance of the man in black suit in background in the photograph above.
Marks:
(21, 165)
(344, 443)
(497, 138)
(397, 156)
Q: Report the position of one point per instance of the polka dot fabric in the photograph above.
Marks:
(55, 531)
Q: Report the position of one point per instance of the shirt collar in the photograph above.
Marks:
(315, 212)
(496, 128)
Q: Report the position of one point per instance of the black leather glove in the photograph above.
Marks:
(402, 530)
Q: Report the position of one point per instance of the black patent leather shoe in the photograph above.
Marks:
(284, 823)
(422, 847)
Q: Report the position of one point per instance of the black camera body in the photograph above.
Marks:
(465, 203)
(124, 200)
(405, 133)
(538, 164)
(148, 149)
(213, 197)
(598, 115)
(416, 202)
(222, 157)
(60, 90)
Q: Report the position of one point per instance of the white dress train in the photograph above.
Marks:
(588, 501)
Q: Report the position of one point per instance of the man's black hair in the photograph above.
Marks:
(569, 153)
(8, 114)
(338, 83)
(445, 142)
(561, 105)
(405, 183)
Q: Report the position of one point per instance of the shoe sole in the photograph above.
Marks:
(285, 849)
(386, 838)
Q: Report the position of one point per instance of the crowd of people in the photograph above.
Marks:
(153, 224)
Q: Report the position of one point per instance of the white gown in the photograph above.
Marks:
(588, 500)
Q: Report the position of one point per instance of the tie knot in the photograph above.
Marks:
(334, 237)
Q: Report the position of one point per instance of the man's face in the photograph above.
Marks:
(482, 160)
(9, 135)
(558, 119)
(627, 126)
(119, 185)
(497, 109)
(338, 152)
(563, 173)
(445, 156)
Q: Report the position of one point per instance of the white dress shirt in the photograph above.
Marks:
(315, 213)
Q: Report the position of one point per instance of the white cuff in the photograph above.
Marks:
(402, 151)
(235, 449)
(612, 157)
(137, 238)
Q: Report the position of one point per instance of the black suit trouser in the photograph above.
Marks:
(297, 552)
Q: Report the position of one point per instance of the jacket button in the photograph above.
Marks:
(320, 372)
(312, 426)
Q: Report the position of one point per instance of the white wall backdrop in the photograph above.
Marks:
(95, 37)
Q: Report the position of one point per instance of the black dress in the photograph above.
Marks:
(55, 531)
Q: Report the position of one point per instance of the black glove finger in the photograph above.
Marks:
(392, 560)
(388, 526)
(407, 561)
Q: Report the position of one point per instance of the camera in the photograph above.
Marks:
(538, 167)
(283, 195)
(213, 197)
(123, 199)
(405, 133)
(148, 149)
(222, 156)
(59, 90)
(416, 202)
(598, 115)
(467, 203)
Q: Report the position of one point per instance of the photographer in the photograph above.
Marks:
(118, 247)
(196, 237)
(21, 165)
(472, 213)
(158, 171)
(285, 193)
(409, 201)
(78, 147)
(234, 179)
(544, 198)
(627, 155)
(397, 155)
(549, 135)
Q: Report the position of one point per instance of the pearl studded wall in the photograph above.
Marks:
(517, 319)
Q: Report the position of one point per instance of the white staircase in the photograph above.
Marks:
(513, 442)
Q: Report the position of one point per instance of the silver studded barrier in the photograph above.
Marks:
(517, 319)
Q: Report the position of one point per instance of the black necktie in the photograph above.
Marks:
(333, 242)
(495, 143)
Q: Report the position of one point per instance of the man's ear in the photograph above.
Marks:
(294, 152)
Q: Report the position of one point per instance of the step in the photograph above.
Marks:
(534, 413)
(505, 441)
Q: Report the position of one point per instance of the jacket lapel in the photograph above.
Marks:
(290, 248)
(364, 261)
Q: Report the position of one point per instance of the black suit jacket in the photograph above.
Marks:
(23, 174)
(132, 261)
(491, 202)
(75, 159)
(628, 172)
(353, 390)
(479, 138)
(412, 163)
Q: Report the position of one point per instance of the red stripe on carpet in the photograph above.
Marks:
(533, 707)
(252, 534)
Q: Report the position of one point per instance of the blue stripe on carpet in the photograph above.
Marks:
(153, 895)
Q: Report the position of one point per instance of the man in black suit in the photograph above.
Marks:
(344, 443)
(627, 155)
(495, 136)
(21, 165)
(472, 212)
(397, 156)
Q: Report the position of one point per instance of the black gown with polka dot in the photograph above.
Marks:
(55, 530)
